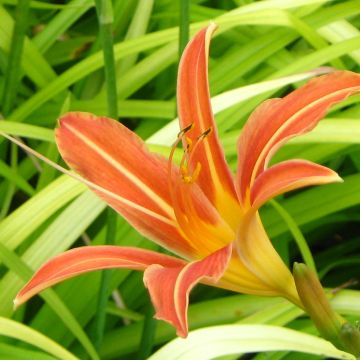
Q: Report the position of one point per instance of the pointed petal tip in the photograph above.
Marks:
(287, 176)
(194, 107)
(180, 331)
(295, 114)
(182, 334)
(322, 70)
(333, 177)
(16, 303)
(212, 26)
(169, 288)
(337, 177)
(84, 259)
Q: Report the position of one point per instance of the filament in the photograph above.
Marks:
(173, 184)
(187, 160)
(181, 191)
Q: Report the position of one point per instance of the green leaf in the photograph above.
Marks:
(236, 308)
(27, 130)
(21, 270)
(209, 343)
(24, 333)
(315, 203)
(7, 172)
(257, 15)
(17, 353)
(223, 101)
(28, 217)
(340, 131)
(33, 63)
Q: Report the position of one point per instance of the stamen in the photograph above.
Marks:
(173, 183)
(180, 137)
(206, 132)
(179, 191)
(187, 178)
(188, 158)
(196, 172)
(185, 130)
(199, 139)
(189, 144)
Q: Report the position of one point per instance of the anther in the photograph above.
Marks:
(205, 133)
(185, 130)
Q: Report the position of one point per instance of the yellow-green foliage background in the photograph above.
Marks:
(43, 213)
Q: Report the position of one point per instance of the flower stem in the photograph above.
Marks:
(13, 70)
(11, 81)
(105, 19)
(297, 234)
(148, 334)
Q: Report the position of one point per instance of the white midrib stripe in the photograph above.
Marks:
(108, 158)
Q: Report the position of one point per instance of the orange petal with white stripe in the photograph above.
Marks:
(193, 97)
(277, 120)
(287, 176)
(89, 258)
(170, 287)
(114, 158)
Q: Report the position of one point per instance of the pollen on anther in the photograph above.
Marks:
(185, 130)
(205, 133)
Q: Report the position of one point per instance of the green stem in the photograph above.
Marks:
(148, 334)
(105, 18)
(105, 282)
(297, 234)
(183, 25)
(13, 72)
(11, 81)
(11, 188)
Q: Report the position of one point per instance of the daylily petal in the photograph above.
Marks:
(170, 287)
(89, 258)
(108, 154)
(289, 175)
(204, 227)
(240, 278)
(277, 120)
(215, 178)
(259, 256)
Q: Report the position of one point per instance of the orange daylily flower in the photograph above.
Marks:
(197, 210)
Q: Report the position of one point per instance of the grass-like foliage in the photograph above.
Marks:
(120, 59)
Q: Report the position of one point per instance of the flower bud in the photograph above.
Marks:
(317, 305)
(350, 336)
